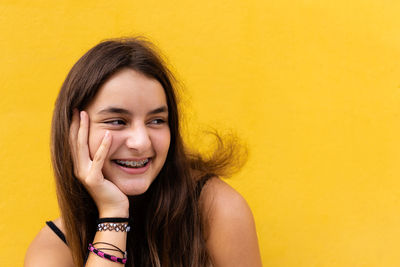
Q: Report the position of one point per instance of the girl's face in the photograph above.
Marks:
(134, 109)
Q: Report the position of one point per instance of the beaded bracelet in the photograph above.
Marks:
(105, 255)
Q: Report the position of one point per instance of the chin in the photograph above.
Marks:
(134, 187)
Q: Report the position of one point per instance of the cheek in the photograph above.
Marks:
(161, 142)
(96, 137)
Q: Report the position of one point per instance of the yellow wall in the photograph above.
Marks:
(312, 86)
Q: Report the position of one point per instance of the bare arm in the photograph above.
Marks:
(47, 243)
(110, 201)
(232, 238)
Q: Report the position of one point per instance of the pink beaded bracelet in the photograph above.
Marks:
(106, 256)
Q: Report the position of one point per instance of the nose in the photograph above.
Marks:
(138, 138)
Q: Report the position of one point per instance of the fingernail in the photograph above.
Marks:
(81, 114)
(107, 135)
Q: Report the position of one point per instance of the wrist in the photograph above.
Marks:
(120, 212)
(116, 214)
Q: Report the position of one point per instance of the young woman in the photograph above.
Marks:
(129, 191)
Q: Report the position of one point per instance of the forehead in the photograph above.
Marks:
(131, 90)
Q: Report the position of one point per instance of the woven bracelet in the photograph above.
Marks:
(105, 255)
(115, 248)
(123, 227)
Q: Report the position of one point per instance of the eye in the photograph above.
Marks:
(157, 121)
(115, 122)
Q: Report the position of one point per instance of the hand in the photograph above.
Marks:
(110, 201)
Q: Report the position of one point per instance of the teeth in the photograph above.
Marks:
(135, 164)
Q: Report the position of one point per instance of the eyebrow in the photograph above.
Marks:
(127, 112)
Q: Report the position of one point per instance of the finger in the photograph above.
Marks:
(101, 154)
(73, 129)
(73, 132)
(82, 142)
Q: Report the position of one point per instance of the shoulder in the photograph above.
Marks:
(231, 236)
(48, 250)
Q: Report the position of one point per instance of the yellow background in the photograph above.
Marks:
(311, 86)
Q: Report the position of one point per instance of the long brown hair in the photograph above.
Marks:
(167, 222)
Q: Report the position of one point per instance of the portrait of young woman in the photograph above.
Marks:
(129, 190)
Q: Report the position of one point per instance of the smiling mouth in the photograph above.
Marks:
(132, 163)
